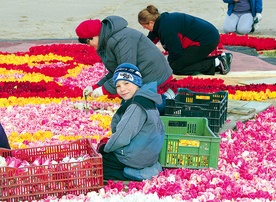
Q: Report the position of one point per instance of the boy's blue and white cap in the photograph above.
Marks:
(128, 72)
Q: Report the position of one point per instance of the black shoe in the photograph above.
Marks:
(253, 29)
(226, 61)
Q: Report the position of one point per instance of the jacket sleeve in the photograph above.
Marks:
(228, 1)
(153, 37)
(259, 6)
(171, 42)
(106, 78)
(129, 126)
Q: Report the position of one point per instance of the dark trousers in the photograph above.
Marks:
(112, 167)
(195, 60)
(4, 142)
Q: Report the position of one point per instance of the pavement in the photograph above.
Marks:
(57, 19)
(29, 23)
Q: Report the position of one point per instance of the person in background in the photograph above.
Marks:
(133, 149)
(188, 40)
(242, 16)
(4, 142)
(116, 44)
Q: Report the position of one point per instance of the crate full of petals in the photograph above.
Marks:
(54, 170)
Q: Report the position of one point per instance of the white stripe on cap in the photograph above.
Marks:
(125, 76)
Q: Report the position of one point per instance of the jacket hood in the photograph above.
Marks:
(149, 91)
(111, 25)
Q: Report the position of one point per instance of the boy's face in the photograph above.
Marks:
(126, 89)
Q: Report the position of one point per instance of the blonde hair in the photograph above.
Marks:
(150, 13)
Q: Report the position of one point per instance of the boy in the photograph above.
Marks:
(133, 149)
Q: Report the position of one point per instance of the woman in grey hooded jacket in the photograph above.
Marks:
(116, 44)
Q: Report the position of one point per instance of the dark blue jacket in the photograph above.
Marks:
(178, 31)
(256, 6)
(4, 143)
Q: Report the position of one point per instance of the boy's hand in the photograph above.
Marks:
(101, 145)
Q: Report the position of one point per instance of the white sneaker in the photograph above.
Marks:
(256, 27)
(169, 94)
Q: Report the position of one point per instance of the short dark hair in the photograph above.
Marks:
(84, 40)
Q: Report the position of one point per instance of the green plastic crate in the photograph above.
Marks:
(189, 143)
(212, 106)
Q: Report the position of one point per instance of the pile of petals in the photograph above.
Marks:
(41, 104)
(259, 43)
(50, 172)
(44, 124)
(38, 89)
(246, 172)
(14, 162)
(252, 92)
(30, 74)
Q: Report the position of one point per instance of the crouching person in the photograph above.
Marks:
(132, 151)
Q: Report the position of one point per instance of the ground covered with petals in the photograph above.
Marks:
(41, 104)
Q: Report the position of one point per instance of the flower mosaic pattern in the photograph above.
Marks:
(39, 92)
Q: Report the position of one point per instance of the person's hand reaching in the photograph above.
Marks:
(97, 92)
(87, 91)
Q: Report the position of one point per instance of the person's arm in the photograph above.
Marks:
(98, 89)
(106, 78)
(153, 37)
(128, 127)
(173, 45)
(111, 93)
(230, 1)
(259, 6)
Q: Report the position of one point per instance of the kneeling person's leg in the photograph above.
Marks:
(112, 168)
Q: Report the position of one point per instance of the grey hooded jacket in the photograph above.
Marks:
(119, 44)
(137, 131)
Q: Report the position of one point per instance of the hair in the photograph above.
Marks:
(82, 40)
(150, 13)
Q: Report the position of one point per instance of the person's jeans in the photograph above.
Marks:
(240, 23)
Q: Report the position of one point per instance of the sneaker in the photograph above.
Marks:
(255, 27)
(226, 61)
